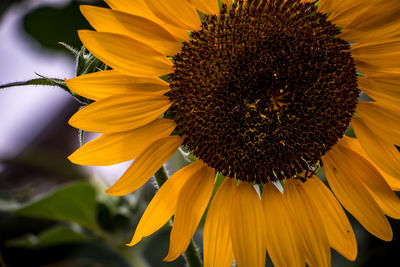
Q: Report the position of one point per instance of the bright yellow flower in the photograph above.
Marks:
(259, 90)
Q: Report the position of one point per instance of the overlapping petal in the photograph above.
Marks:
(284, 242)
(345, 181)
(137, 27)
(179, 13)
(140, 8)
(247, 227)
(338, 228)
(380, 150)
(382, 87)
(162, 206)
(120, 113)
(102, 84)
(145, 165)
(125, 54)
(192, 202)
(373, 178)
(216, 238)
(309, 224)
(114, 148)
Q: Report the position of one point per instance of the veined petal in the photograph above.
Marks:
(125, 54)
(310, 224)
(345, 11)
(333, 7)
(353, 144)
(137, 27)
(102, 84)
(284, 243)
(191, 204)
(378, 14)
(114, 148)
(120, 113)
(248, 227)
(162, 206)
(216, 237)
(179, 13)
(140, 8)
(206, 6)
(382, 56)
(344, 181)
(145, 165)
(383, 63)
(338, 228)
(383, 153)
(374, 182)
(378, 20)
(380, 119)
(392, 182)
(372, 49)
(383, 87)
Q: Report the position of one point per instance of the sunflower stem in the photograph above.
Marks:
(191, 255)
(161, 176)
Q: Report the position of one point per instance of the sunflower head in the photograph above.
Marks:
(263, 90)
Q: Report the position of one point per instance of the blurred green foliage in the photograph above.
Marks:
(50, 25)
(74, 203)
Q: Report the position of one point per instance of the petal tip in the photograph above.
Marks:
(113, 192)
(170, 258)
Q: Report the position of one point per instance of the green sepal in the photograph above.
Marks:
(87, 63)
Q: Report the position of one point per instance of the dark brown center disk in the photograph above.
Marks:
(263, 90)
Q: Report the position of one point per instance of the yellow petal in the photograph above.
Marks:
(380, 119)
(369, 64)
(382, 87)
(309, 223)
(248, 227)
(380, 13)
(284, 244)
(392, 182)
(346, 11)
(120, 113)
(333, 7)
(382, 56)
(383, 153)
(191, 204)
(145, 165)
(137, 27)
(102, 84)
(338, 228)
(140, 8)
(162, 206)
(353, 144)
(114, 148)
(125, 54)
(216, 237)
(206, 6)
(379, 20)
(179, 13)
(375, 183)
(344, 180)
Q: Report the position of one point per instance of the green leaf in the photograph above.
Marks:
(51, 237)
(73, 203)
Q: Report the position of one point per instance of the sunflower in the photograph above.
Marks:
(261, 92)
